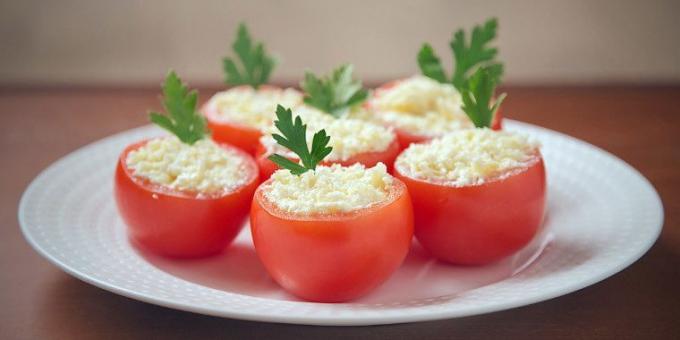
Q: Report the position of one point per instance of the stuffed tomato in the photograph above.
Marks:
(478, 195)
(332, 234)
(353, 141)
(420, 109)
(182, 200)
(240, 115)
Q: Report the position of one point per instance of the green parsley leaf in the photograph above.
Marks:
(477, 53)
(334, 94)
(477, 95)
(294, 138)
(255, 64)
(430, 64)
(182, 120)
(467, 57)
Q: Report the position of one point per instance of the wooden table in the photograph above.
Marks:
(38, 301)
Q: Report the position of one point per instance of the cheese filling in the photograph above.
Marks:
(254, 108)
(468, 157)
(349, 137)
(421, 106)
(329, 189)
(204, 167)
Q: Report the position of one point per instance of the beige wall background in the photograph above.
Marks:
(135, 42)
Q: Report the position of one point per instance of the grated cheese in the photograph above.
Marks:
(349, 137)
(421, 106)
(467, 157)
(203, 167)
(329, 189)
(254, 108)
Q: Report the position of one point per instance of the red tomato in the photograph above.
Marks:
(333, 258)
(497, 120)
(240, 135)
(179, 223)
(479, 224)
(368, 159)
(407, 138)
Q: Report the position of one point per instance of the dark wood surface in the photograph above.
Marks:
(38, 301)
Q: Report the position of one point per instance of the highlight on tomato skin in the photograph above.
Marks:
(479, 224)
(181, 224)
(337, 257)
(368, 159)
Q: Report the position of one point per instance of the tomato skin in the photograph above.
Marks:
(480, 224)
(497, 120)
(239, 135)
(333, 258)
(407, 138)
(368, 159)
(179, 224)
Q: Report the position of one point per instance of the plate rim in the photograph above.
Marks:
(348, 320)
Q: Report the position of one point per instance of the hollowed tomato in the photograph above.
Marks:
(178, 223)
(240, 135)
(407, 138)
(479, 224)
(333, 257)
(368, 159)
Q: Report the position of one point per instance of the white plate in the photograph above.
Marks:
(602, 216)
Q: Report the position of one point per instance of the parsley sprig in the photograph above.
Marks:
(467, 56)
(294, 137)
(477, 96)
(182, 119)
(335, 93)
(255, 65)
